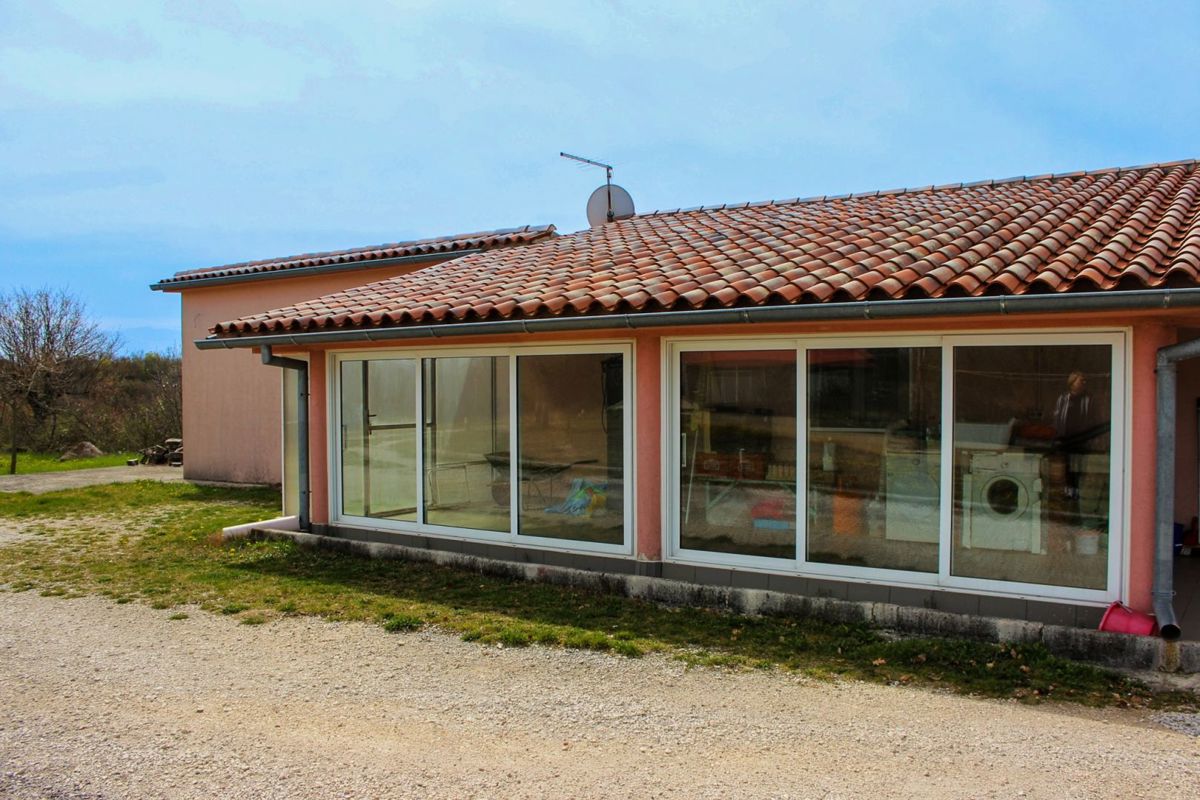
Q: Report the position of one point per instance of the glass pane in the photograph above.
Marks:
(874, 449)
(379, 446)
(1031, 463)
(571, 444)
(466, 431)
(737, 422)
(291, 442)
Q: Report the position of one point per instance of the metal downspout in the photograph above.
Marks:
(1164, 487)
(301, 368)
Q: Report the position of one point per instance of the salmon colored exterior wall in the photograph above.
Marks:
(1148, 331)
(1147, 339)
(649, 437)
(320, 481)
(231, 402)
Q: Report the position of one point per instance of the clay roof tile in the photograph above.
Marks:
(1110, 229)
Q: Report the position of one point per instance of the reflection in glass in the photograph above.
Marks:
(466, 423)
(1031, 463)
(571, 444)
(379, 445)
(738, 452)
(874, 457)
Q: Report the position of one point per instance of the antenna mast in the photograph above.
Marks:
(607, 177)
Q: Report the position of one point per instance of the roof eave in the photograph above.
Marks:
(179, 284)
(1125, 300)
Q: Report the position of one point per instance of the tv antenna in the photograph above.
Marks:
(609, 202)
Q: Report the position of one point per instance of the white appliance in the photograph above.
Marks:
(911, 497)
(1002, 499)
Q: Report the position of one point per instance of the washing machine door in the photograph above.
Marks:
(1004, 498)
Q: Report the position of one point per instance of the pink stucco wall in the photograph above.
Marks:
(650, 434)
(231, 402)
(1148, 337)
(318, 438)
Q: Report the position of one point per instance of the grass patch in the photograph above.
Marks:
(28, 463)
(178, 616)
(176, 559)
(395, 623)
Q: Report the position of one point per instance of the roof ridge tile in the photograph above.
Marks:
(1047, 176)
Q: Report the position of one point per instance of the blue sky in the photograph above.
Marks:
(137, 139)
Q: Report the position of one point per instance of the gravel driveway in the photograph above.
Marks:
(104, 701)
(39, 482)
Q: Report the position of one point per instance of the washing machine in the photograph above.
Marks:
(912, 497)
(1002, 499)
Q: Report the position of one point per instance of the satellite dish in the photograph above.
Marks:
(608, 196)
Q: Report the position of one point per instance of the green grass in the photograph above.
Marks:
(28, 463)
(157, 544)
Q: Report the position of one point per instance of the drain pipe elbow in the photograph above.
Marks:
(303, 479)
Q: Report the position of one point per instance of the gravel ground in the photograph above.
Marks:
(108, 701)
(39, 482)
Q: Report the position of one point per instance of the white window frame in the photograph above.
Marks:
(624, 348)
(1119, 523)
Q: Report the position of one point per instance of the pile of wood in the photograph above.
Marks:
(169, 452)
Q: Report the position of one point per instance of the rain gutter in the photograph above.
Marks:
(174, 284)
(301, 367)
(1164, 488)
(872, 310)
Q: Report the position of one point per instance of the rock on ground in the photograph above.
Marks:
(81, 450)
(117, 701)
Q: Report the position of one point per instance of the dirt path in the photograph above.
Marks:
(108, 701)
(39, 482)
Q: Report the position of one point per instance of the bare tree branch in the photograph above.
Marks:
(48, 347)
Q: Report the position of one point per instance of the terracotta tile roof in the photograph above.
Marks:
(438, 245)
(1132, 228)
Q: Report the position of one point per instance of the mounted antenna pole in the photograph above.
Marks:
(607, 168)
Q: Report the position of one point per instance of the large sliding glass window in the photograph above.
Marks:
(427, 440)
(874, 457)
(737, 461)
(975, 462)
(466, 436)
(1032, 442)
(571, 440)
(379, 438)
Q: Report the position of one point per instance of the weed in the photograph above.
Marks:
(394, 623)
(178, 615)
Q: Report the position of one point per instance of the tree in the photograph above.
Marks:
(48, 348)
